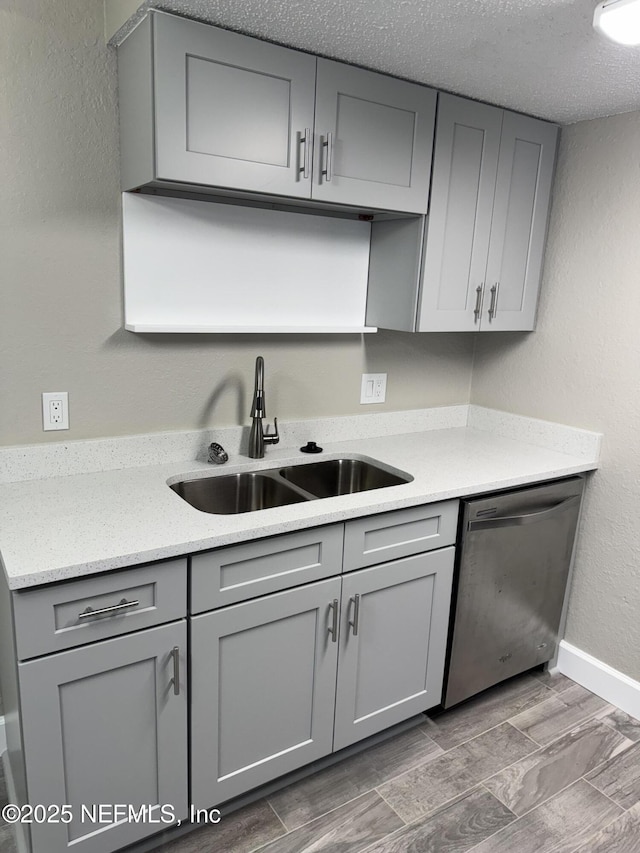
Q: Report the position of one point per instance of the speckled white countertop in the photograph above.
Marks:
(58, 527)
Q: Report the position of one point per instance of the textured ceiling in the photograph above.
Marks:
(538, 56)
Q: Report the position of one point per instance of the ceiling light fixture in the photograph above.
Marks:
(619, 20)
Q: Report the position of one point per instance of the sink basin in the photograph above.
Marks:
(237, 493)
(249, 491)
(340, 477)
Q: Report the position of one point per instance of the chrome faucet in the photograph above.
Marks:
(257, 437)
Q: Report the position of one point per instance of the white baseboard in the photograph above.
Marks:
(3, 739)
(600, 678)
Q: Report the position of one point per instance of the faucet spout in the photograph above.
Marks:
(258, 437)
(257, 407)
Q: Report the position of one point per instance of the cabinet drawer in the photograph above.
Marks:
(233, 574)
(400, 533)
(58, 617)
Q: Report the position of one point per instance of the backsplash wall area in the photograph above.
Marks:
(62, 316)
(581, 366)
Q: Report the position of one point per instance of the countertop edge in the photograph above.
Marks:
(266, 529)
(77, 525)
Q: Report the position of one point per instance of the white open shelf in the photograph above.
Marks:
(252, 330)
(204, 267)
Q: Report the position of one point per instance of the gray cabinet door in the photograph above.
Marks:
(459, 225)
(486, 232)
(519, 223)
(373, 139)
(393, 637)
(231, 111)
(263, 689)
(102, 725)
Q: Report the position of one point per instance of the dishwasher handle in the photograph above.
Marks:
(525, 518)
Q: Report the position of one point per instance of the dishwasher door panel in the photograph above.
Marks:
(514, 562)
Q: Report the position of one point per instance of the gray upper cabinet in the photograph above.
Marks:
(485, 237)
(474, 264)
(519, 223)
(459, 227)
(215, 108)
(374, 137)
(205, 107)
(105, 724)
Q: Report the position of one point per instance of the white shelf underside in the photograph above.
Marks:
(251, 330)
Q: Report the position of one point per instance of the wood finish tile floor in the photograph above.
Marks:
(537, 765)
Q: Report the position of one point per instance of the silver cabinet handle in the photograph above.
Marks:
(525, 518)
(327, 142)
(478, 309)
(306, 153)
(115, 608)
(493, 307)
(333, 629)
(356, 615)
(176, 670)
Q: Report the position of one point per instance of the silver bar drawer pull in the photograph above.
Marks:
(333, 630)
(176, 670)
(478, 309)
(493, 307)
(356, 615)
(89, 613)
(328, 158)
(306, 153)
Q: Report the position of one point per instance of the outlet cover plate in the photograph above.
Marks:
(55, 410)
(373, 388)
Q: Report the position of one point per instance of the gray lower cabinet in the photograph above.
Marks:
(253, 569)
(263, 689)
(204, 107)
(393, 636)
(106, 724)
(341, 634)
(388, 536)
(282, 680)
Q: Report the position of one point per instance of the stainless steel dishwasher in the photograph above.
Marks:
(512, 574)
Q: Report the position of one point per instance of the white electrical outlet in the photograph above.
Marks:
(55, 410)
(373, 388)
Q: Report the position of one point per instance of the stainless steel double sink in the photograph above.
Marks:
(254, 490)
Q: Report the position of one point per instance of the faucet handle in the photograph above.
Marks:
(273, 437)
(217, 454)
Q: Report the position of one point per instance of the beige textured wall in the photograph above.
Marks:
(117, 13)
(582, 367)
(61, 301)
